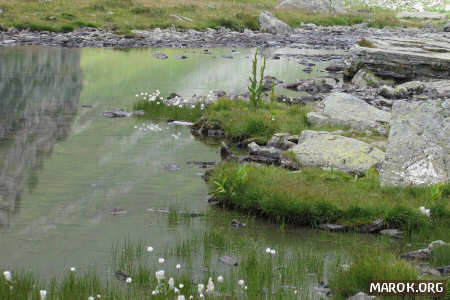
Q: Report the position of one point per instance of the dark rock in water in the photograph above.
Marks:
(202, 164)
(446, 27)
(220, 94)
(236, 223)
(138, 113)
(269, 81)
(229, 260)
(225, 151)
(119, 113)
(181, 57)
(393, 233)
(314, 85)
(118, 212)
(160, 56)
(333, 227)
(372, 227)
(86, 106)
(227, 56)
(445, 271)
(172, 167)
(215, 132)
(173, 95)
(121, 275)
(307, 70)
(276, 57)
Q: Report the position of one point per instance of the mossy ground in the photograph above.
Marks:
(125, 15)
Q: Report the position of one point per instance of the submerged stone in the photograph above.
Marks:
(229, 260)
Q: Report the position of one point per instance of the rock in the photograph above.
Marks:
(119, 113)
(440, 87)
(283, 141)
(52, 18)
(220, 94)
(432, 245)
(269, 23)
(333, 227)
(445, 271)
(336, 67)
(404, 59)
(173, 96)
(418, 145)
(138, 112)
(181, 123)
(393, 233)
(118, 212)
(446, 27)
(269, 152)
(404, 90)
(314, 85)
(172, 167)
(421, 15)
(427, 270)
(326, 150)
(343, 109)
(160, 56)
(365, 78)
(322, 6)
(362, 296)
(421, 254)
(225, 151)
(229, 260)
(372, 227)
(235, 223)
(268, 81)
(121, 275)
(181, 57)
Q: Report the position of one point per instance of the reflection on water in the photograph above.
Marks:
(39, 92)
(52, 102)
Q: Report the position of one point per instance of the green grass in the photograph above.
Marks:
(314, 196)
(366, 43)
(125, 15)
(366, 266)
(440, 256)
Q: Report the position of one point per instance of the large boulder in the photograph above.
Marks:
(271, 24)
(404, 59)
(365, 78)
(418, 151)
(326, 150)
(322, 6)
(343, 109)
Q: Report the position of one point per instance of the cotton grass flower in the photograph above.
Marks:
(210, 286)
(129, 280)
(7, 275)
(150, 249)
(181, 285)
(181, 297)
(160, 275)
(43, 294)
(425, 211)
(161, 260)
(273, 251)
(90, 298)
(178, 266)
(220, 279)
(171, 283)
(267, 250)
(73, 269)
(155, 292)
(241, 282)
(200, 288)
(99, 296)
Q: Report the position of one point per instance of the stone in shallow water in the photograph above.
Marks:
(160, 56)
(394, 233)
(418, 151)
(116, 114)
(362, 296)
(325, 150)
(229, 260)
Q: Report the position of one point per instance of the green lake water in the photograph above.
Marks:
(64, 167)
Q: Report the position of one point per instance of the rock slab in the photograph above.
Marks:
(322, 6)
(269, 23)
(325, 150)
(418, 150)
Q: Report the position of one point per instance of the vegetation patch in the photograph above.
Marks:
(314, 196)
(366, 43)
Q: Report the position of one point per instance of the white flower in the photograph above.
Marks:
(241, 282)
(99, 296)
(191, 297)
(90, 298)
(268, 250)
(272, 251)
(200, 288)
(72, 269)
(137, 95)
(158, 102)
(161, 260)
(425, 211)
(43, 294)
(142, 94)
(295, 292)
(180, 297)
(7, 275)
(181, 285)
(201, 296)
(155, 292)
(171, 283)
(178, 266)
(210, 286)
(160, 275)
(129, 280)
(273, 119)
(245, 287)
(177, 291)
(180, 106)
(220, 279)
(149, 249)
(192, 106)
(135, 127)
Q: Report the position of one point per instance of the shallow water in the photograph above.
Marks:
(64, 167)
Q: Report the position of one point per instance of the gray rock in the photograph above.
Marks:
(121, 275)
(445, 271)
(371, 227)
(404, 59)
(118, 113)
(418, 145)
(269, 152)
(235, 223)
(160, 56)
(441, 87)
(421, 15)
(421, 255)
(427, 270)
(314, 85)
(333, 227)
(362, 296)
(172, 167)
(229, 260)
(393, 233)
(271, 24)
(283, 141)
(225, 151)
(365, 78)
(326, 150)
(343, 109)
(446, 27)
(336, 67)
(404, 90)
(322, 6)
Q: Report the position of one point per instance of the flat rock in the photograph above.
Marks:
(365, 78)
(362, 296)
(326, 150)
(343, 109)
(160, 56)
(403, 59)
(229, 260)
(283, 141)
(116, 114)
(394, 233)
(421, 15)
(333, 227)
(421, 254)
(418, 146)
(269, 152)
(269, 23)
(371, 227)
(322, 6)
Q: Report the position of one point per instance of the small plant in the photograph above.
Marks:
(256, 85)
(273, 96)
(366, 43)
(228, 185)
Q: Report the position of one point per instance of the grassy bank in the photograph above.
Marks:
(125, 15)
(314, 196)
